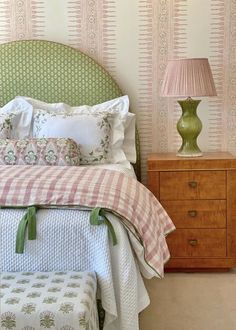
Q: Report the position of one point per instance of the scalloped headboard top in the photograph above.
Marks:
(53, 72)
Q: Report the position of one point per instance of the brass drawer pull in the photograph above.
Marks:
(192, 184)
(193, 242)
(192, 213)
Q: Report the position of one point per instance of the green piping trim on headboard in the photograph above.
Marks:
(53, 72)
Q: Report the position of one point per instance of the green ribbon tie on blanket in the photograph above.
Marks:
(28, 219)
(98, 217)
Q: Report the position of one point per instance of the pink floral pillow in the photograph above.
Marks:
(41, 151)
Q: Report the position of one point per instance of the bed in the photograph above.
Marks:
(35, 76)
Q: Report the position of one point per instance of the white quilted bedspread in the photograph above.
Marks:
(66, 241)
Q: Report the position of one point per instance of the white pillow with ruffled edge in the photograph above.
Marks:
(16, 116)
(124, 147)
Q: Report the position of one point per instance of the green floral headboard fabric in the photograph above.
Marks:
(53, 72)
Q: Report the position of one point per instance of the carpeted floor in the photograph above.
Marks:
(191, 301)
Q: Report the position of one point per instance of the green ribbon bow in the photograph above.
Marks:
(28, 219)
(98, 217)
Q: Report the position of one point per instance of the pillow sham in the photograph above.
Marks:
(123, 130)
(15, 119)
(59, 151)
(90, 130)
(122, 144)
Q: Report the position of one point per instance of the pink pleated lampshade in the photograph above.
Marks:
(188, 77)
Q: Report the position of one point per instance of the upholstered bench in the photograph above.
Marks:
(48, 300)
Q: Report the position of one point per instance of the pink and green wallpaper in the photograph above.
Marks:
(133, 40)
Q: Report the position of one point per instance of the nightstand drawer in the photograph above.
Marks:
(197, 243)
(192, 185)
(197, 213)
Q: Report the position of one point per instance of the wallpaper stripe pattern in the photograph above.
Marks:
(91, 28)
(109, 48)
(177, 49)
(230, 61)
(145, 90)
(5, 13)
(74, 10)
(216, 104)
(21, 19)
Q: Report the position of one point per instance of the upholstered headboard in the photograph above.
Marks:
(53, 72)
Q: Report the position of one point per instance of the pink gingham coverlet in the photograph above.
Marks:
(74, 186)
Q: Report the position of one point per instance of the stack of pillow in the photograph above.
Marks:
(35, 132)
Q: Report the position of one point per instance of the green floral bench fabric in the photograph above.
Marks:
(48, 300)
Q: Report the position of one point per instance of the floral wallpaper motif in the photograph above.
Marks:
(133, 41)
(21, 19)
(230, 88)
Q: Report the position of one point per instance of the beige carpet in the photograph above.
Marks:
(191, 301)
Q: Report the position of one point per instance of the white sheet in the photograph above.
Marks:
(66, 241)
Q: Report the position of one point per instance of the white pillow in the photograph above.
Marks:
(123, 149)
(90, 130)
(16, 116)
(129, 145)
(37, 104)
(123, 139)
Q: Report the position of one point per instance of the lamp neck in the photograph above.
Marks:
(189, 104)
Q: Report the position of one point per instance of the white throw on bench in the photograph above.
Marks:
(48, 300)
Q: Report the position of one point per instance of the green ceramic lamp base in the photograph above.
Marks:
(189, 127)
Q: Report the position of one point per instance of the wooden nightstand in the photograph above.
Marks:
(199, 194)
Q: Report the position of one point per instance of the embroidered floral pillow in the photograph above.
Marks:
(6, 125)
(91, 131)
(40, 151)
(15, 119)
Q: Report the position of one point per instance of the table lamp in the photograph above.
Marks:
(188, 77)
